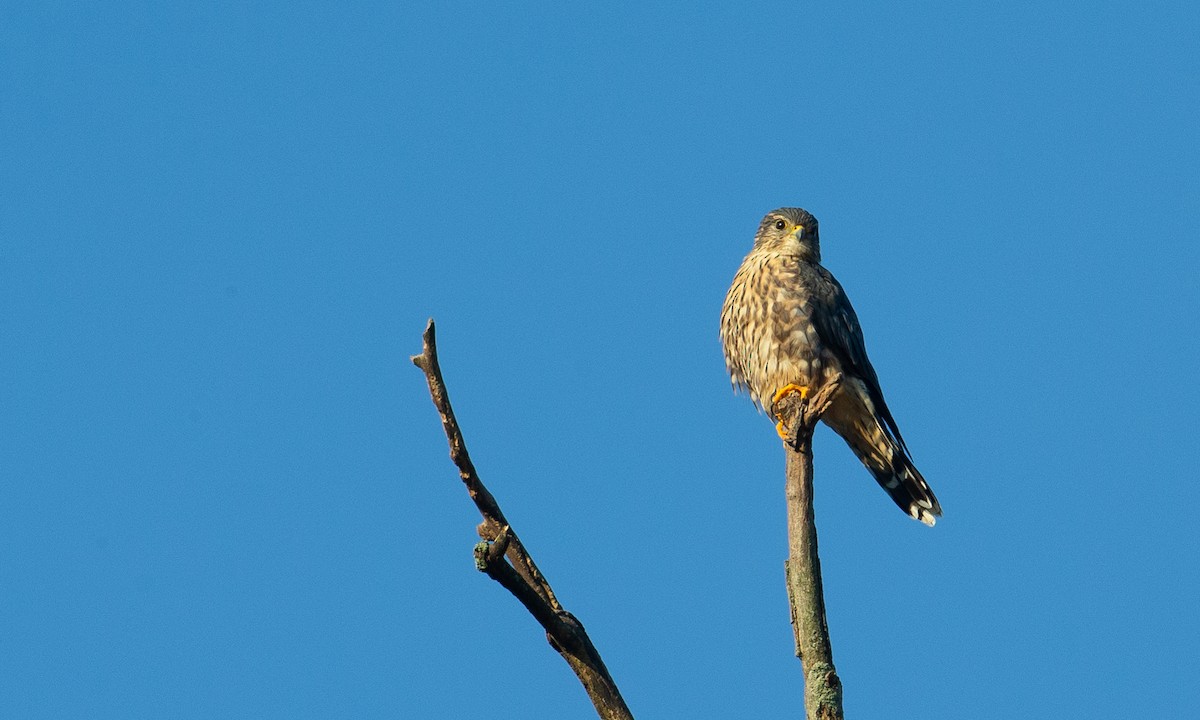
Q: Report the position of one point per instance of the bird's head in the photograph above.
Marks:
(789, 230)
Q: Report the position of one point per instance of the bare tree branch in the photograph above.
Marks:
(822, 687)
(503, 557)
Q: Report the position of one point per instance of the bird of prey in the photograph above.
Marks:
(788, 326)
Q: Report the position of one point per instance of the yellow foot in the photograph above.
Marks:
(788, 389)
(780, 394)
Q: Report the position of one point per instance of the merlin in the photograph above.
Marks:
(788, 326)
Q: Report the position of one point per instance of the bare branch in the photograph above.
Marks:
(504, 558)
(822, 687)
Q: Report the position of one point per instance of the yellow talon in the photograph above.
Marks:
(788, 389)
(780, 394)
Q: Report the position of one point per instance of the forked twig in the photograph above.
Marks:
(504, 558)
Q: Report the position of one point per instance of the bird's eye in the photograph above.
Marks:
(779, 224)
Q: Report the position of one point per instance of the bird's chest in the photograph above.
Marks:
(789, 345)
(794, 345)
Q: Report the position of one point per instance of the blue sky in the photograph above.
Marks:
(225, 492)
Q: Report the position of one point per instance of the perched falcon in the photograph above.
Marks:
(787, 321)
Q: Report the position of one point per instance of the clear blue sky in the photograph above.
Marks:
(224, 492)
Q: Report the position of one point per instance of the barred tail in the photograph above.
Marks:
(907, 488)
(886, 458)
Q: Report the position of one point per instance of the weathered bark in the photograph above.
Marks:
(822, 687)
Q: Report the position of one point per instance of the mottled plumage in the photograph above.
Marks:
(786, 320)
